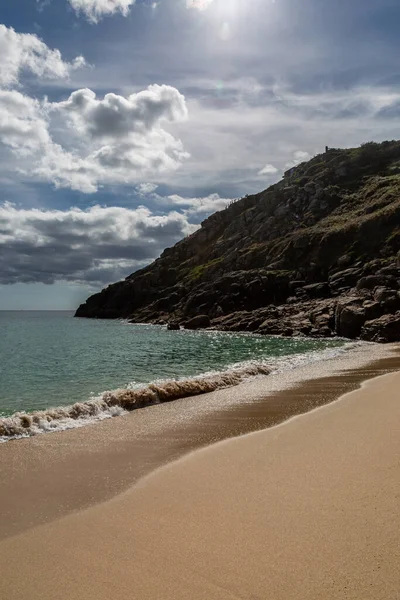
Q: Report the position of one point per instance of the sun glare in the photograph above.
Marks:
(221, 6)
(199, 4)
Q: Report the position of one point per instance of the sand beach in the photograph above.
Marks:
(168, 503)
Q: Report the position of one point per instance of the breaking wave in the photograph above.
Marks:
(118, 402)
(121, 401)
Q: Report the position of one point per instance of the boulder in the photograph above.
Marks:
(325, 332)
(381, 293)
(386, 329)
(350, 317)
(344, 279)
(318, 290)
(324, 321)
(199, 322)
(173, 326)
(389, 299)
(294, 285)
(372, 309)
(372, 281)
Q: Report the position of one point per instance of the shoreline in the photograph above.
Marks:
(47, 477)
(120, 401)
(301, 511)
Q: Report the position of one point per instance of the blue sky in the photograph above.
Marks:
(123, 124)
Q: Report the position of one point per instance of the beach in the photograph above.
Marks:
(163, 504)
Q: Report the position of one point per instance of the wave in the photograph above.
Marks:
(118, 402)
(121, 401)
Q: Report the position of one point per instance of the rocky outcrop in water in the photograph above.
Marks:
(316, 254)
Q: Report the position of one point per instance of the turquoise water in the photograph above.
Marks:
(50, 359)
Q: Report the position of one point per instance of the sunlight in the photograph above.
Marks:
(199, 4)
(222, 6)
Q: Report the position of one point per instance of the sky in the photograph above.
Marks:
(124, 124)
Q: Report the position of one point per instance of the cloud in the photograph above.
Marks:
(199, 4)
(94, 246)
(117, 117)
(114, 140)
(198, 206)
(146, 188)
(268, 170)
(299, 156)
(27, 52)
(23, 127)
(95, 10)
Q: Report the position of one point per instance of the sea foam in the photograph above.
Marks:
(118, 402)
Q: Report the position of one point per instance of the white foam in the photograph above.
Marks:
(118, 402)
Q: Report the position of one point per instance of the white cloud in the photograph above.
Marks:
(146, 188)
(23, 51)
(199, 4)
(199, 206)
(117, 117)
(268, 170)
(95, 10)
(96, 246)
(115, 140)
(299, 156)
(23, 126)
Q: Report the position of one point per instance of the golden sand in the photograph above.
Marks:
(309, 509)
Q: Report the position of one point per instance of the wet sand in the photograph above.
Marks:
(308, 509)
(50, 476)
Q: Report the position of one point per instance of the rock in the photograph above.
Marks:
(305, 328)
(382, 293)
(350, 317)
(294, 285)
(388, 299)
(199, 322)
(270, 327)
(372, 281)
(318, 290)
(324, 321)
(372, 309)
(325, 332)
(386, 329)
(173, 326)
(344, 279)
(279, 247)
(344, 260)
(392, 271)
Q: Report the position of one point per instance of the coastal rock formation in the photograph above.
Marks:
(316, 254)
(199, 322)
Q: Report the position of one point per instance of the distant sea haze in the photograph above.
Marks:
(58, 372)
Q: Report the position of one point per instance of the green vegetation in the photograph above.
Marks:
(198, 271)
(340, 210)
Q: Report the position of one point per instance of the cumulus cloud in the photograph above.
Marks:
(27, 52)
(117, 117)
(199, 206)
(96, 246)
(114, 140)
(95, 10)
(146, 188)
(23, 127)
(268, 170)
(298, 157)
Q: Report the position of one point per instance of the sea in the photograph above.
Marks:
(59, 372)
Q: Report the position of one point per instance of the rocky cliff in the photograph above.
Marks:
(316, 254)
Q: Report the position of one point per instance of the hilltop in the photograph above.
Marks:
(316, 254)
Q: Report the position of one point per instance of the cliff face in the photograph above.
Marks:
(316, 254)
